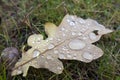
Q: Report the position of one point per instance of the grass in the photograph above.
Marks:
(19, 19)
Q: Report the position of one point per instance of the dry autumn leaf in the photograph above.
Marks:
(71, 40)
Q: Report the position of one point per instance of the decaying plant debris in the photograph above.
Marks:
(71, 40)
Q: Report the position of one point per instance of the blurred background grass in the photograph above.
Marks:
(21, 18)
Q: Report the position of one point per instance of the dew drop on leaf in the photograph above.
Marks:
(19, 72)
(56, 51)
(69, 56)
(73, 33)
(36, 53)
(59, 68)
(88, 56)
(77, 44)
(92, 36)
(50, 46)
(63, 34)
(61, 56)
(62, 29)
(49, 57)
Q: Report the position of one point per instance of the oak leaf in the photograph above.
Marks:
(71, 40)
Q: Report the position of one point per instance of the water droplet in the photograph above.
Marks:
(59, 68)
(19, 72)
(81, 21)
(36, 53)
(64, 48)
(84, 38)
(92, 36)
(69, 56)
(62, 29)
(55, 51)
(47, 40)
(59, 39)
(38, 40)
(50, 39)
(46, 62)
(72, 17)
(89, 47)
(88, 24)
(74, 57)
(79, 33)
(77, 44)
(61, 56)
(44, 49)
(72, 23)
(33, 42)
(83, 30)
(66, 30)
(87, 55)
(68, 20)
(74, 54)
(73, 33)
(67, 52)
(30, 63)
(49, 57)
(63, 34)
(50, 46)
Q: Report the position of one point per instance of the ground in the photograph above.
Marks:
(21, 18)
